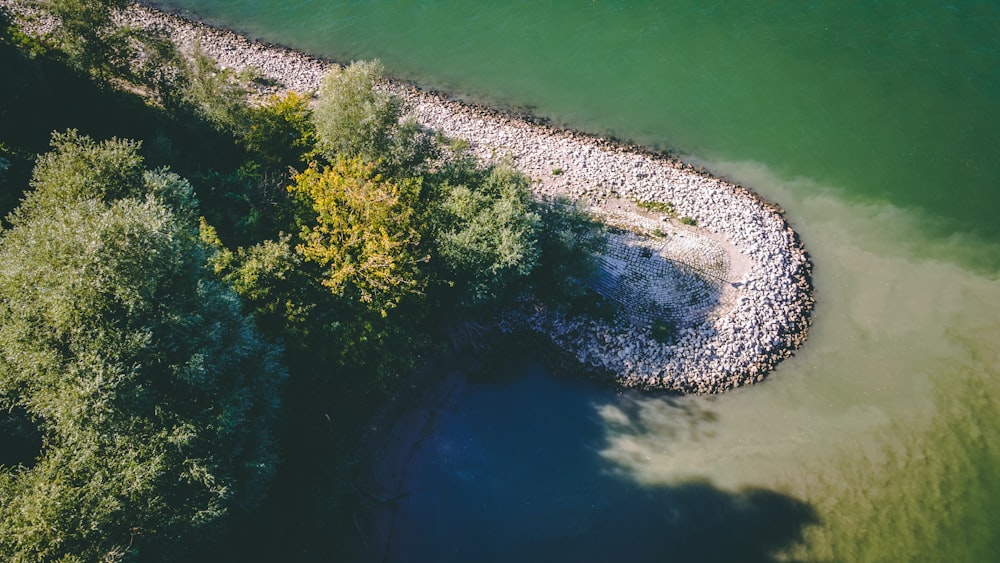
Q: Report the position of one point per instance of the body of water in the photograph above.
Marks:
(877, 126)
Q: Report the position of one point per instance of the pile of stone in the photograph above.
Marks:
(768, 303)
(745, 315)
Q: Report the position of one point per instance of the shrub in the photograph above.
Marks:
(487, 236)
(280, 131)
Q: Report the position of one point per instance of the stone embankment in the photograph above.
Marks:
(708, 307)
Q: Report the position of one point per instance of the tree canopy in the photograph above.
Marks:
(354, 117)
(154, 393)
(365, 231)
(488, 235)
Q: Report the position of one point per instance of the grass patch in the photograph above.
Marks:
(666, 208)
(557, 171)
(657, 206)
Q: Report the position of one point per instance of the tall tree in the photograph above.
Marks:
(356, 117)
(364, 229)
(155, 395)
(487, 236)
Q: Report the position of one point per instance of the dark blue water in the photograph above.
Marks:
(499, 480)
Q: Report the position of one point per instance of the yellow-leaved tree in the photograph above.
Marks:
(363, 229)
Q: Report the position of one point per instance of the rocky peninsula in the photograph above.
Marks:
(713, 286)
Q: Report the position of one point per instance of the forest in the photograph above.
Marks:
(207, 294)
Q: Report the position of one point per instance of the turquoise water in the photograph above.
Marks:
(877, 126)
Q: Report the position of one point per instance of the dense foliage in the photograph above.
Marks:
(488, 235)
(365, 232)
(346, 232)
(354, 118)
(155, 395)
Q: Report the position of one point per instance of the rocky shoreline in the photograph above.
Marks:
(754, 315)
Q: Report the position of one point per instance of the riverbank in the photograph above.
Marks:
(730, 320)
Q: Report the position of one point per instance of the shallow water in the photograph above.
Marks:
(877, 126)
(876, 442)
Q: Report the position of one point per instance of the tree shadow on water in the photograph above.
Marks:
(517, 471)
(694, 521)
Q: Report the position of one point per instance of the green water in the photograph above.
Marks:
(877, 126)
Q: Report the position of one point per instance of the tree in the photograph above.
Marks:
(364, 229)
(274, 283)
(155, 395)
(216, 96)
(280, 131)
(487, 235)
(355, 118)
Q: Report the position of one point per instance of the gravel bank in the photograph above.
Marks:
(734, 325)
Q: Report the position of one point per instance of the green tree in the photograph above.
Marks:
(215, 95)
(275, 283)
(155, 395)
(280, 131)
(487, 235)
(356, 118)
(249, 204)
(338, 346)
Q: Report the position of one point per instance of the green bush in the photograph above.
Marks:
(215, 95)
(280, 131)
